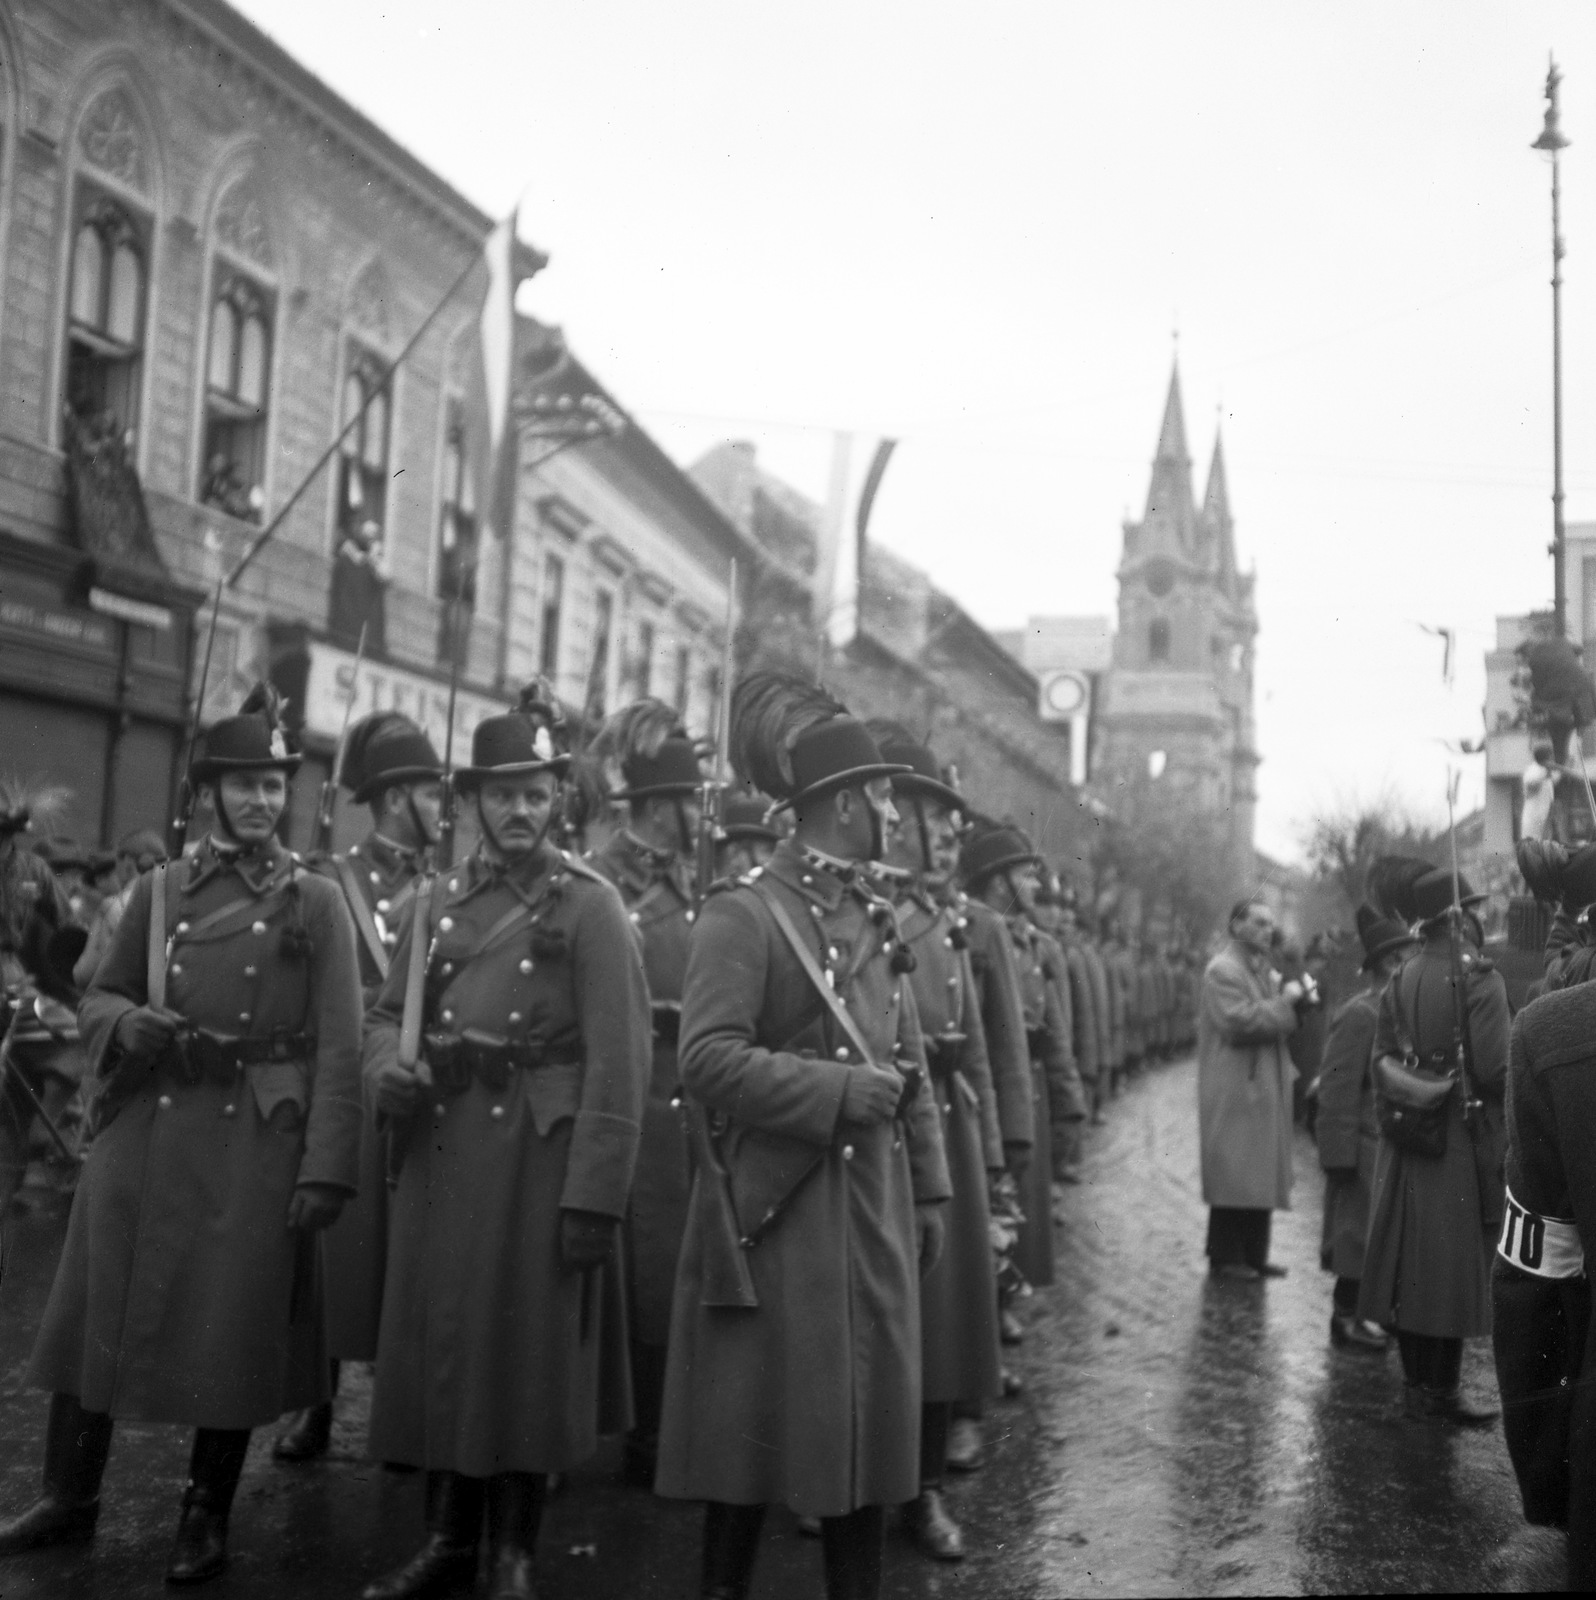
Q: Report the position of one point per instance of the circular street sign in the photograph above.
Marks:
(1064, 693)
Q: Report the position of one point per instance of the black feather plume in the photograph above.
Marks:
(634, 733)
(1543, 863)
(1390, 886)
(365, 736)
(769, 711)
(264, 701)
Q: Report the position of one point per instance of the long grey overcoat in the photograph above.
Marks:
(1347, 1134)
(811, 1398)
(182, 1295)
(1244, 1078)
(492, 1356)
(1425, 1269)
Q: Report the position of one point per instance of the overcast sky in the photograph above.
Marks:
(977, 227)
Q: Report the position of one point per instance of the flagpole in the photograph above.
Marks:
(259, 542)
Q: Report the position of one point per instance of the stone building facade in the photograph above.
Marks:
(1176, 705)
(209, 264)
(919, 657)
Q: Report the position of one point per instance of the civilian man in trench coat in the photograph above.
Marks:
(228, 1128)
(390, 765)
(794, 1368)
(1425, 1269)
(1347, 1133)
(958, 1297)
(517, 1132)
(1244, 1078)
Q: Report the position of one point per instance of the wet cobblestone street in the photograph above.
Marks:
(1176, 1436)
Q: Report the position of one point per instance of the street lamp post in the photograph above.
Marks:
(1552, 141)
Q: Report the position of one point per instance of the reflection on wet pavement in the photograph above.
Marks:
(1177, 1436)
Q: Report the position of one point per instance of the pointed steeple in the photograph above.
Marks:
(1169, 521)
(1216, 514)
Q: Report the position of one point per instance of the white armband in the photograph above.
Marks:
(1548, 1247)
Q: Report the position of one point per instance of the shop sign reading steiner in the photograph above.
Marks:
(380, 687)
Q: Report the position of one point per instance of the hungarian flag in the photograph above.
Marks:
(493, 441)
(858, 463)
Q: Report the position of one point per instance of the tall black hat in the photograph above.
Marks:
(1415, 891)
(743, 816)
(990, 848)
(251, 741)
(532, 738)
(924, 776)
(1553, 874)
(796, 742)
(1380, 936)
(649, 750)
(385, 749)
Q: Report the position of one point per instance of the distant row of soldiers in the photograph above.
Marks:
(705, 1150)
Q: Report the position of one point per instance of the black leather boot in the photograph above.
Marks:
(76, 1444)
(731, 1541)
(927, 1520)
(854, 1546)
(515, 1508)
(309, 1432)
(447, 1562)
(199, 1552)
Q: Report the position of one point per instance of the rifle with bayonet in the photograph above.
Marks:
(712, 793)
(178, 833)
(329, 790)
(444, 855)
(1460, 1004)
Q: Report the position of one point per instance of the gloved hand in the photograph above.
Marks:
(1018, 1157)
(930, 1231)
(586, 1239)
(396, 1088)
(872, 1094)
(1291, 990)
(314, 1206)
(145, 1033)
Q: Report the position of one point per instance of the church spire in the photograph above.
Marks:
(1170, 509)
(1216, 513)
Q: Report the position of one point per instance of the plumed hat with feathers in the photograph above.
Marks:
(250, 741)
(386, 748)
(535, 737)
(795, 741)
(643, 750)
(1413, 890)
(924, 777)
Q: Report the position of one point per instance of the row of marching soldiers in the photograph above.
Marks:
(570, 1146)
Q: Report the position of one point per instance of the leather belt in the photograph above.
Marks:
(456, 1058)
(198, 1055)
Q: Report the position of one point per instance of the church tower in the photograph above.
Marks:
(1176, 707)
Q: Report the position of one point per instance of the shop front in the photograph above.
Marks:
(94, 665)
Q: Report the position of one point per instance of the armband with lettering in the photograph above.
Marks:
(1547, 1247)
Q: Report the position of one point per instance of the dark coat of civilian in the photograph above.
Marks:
(1346, 1132)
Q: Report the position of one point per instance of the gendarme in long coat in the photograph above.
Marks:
(1346, 1131)
(182, 1295)
(658, 893)
(354, 1250)
(1244, 1078)
(811, 1398)
(1430, 1234)
(491, 1352)
(958, 1297)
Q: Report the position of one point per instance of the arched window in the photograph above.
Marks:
(363, 467)
(237, 384)
(1158, 640)
(105, 316)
